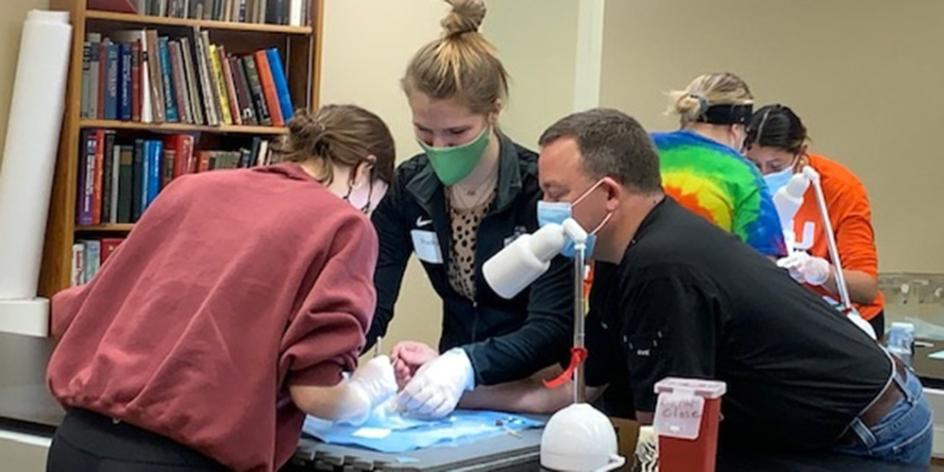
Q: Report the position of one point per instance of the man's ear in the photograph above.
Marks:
(614, 193)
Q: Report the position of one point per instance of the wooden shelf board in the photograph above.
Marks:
(120, 228)
(182, 127)
(206, 24)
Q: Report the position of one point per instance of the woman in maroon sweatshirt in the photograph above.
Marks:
(229, 312)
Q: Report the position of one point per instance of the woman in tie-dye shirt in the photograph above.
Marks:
(703, 169)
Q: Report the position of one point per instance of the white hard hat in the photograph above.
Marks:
(580, 439)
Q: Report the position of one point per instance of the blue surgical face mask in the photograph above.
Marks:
(777, 180)
(558, 212)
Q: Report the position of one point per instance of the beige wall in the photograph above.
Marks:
(367, 44)
(865, 75)
(11, 24)
(539, 54)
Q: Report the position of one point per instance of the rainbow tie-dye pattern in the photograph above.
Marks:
(718, 183)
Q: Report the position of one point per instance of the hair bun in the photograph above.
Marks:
(466, 17)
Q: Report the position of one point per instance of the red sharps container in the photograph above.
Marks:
(686, 419)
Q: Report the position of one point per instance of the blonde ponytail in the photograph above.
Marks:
(723, 88)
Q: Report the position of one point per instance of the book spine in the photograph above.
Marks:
(111, 92)
(167, 165)
(281, 84)
(139, 179)
(154, 156)
(230, 86)
(170, 101)
(124, 82)
(268, 88)
(125, 185)
(86, 80)
(220, 84)
(255, 88)
(206, 85)
(78, 264)
(214, 84)
(94, 80)
(180, 83)
(154, 76)
(147, 111)
(107, 171)
(102, 78)
(193, 85)
(86, 178)
(244, 98)
(137, 97)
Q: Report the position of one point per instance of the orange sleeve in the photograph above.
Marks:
(854, 234)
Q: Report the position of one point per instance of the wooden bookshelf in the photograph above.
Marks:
(146, 20)
(105, 228)
(301, 48)
(182, 127)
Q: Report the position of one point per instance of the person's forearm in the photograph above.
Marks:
(342, 402)
(863, 288)
(521, 396)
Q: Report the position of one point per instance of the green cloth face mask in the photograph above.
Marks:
(453, 164)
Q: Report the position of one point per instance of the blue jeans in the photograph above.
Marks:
(903, 435)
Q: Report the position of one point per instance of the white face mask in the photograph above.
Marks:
(366, 197)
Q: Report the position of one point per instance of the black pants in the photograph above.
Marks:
(87, 441)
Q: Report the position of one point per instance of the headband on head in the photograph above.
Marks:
(727, 114)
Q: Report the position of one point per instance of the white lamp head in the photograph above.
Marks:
(580, 438)
(523, 261)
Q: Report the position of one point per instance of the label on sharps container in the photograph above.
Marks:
(678, 415)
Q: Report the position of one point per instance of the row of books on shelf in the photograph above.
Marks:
(88, 255)
(279, 12)
(139, 76)
(118, 181)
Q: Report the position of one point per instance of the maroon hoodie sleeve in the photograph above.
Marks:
(327, 333)
(65, 305)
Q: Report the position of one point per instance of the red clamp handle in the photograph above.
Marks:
(577, 356)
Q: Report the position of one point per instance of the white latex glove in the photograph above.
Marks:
(374, 383)
(436, 388)
(806, 269)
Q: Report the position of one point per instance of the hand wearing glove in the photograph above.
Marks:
(408, 357)
(353, 400)
(806, 269)
(376, 380)
(436, 388)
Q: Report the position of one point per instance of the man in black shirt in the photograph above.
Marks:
(683, 298)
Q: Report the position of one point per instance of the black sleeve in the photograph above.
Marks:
(544, 338)
(671, 330)
(393, 233)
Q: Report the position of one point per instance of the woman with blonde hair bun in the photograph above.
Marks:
(469, 193)
(702, 165)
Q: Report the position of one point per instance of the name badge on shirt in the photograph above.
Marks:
(426, 246)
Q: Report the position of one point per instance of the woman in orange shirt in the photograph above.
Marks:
(777, 142)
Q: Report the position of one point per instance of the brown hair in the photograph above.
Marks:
(339, 134)
(720, 88)
(611, 144)
(779, 127)
(461, 64)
